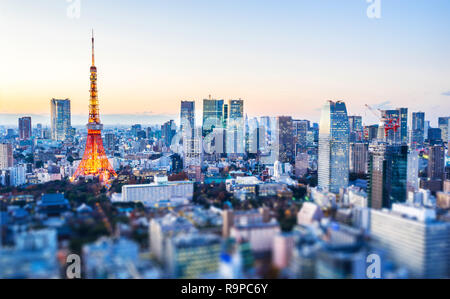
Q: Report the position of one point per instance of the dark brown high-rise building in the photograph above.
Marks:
(436, 162)
(25, 128)
(286, 144)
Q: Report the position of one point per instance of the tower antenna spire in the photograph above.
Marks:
(93, 60)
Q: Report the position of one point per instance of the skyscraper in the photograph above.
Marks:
(212, 115)
(356, 128)
(370, 132)
(399, 117)
(25, 128)
(192, 145)
(434, 136)
(235, 127)
(39, 131)
(359, 157)
(443, 123)
(436, 162)
(168, 131)
(187, 118)
(301, 128)
(413, 171)
(388, 175)
(286, 144)
(6, 156)
(418, 129)
(60, 119)
(333, 147)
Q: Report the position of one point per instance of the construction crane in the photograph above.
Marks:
(390, 124)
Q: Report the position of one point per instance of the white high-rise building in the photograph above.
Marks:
(6, 155)
(413, 171)
(18, 175)
(235, 127)
(413, 238)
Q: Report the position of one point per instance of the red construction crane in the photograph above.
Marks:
(390, 124)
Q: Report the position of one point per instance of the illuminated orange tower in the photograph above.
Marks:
(95, 162)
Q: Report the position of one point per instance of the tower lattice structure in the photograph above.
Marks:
(94, 162)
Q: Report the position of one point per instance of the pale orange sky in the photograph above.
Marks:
(282, 60)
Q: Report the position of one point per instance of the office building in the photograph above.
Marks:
(436, 162)
(359, 157)
(192, 143)
(163, 229)
(39, 131)
(413, 171)
(259, 234)
(301, 164)
(333, 147)
(370, 133)
(168, 132)
(434, 136)
(235, 138)
(443, 123)
(285, 144)
(413, 238)
(6, 156)
(399, 117)
(301, 128)
(212, 115)
(187, 119)
(418, 129)
(110, 141)
(159, 191)
(388, 175)
(60, 119)
(194, 256)
(25, 132)
(356, 128)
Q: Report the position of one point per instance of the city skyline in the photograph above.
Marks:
(297, 66)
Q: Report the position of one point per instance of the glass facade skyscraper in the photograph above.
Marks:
(400, 117)
(443, 123)
(286, 141)
(187, 118)
(356, 128)
(60, 119)
(418, 129)
(212, 115)
(388, 171)
(333, 169)
(192, 146)
(235, 127)
(301, 128)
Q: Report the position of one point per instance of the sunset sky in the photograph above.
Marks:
(282, 57)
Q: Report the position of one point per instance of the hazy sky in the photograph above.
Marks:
(282, 57)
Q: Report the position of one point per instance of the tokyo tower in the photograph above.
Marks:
(94, 162)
